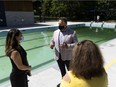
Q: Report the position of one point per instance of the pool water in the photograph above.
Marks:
(36, 43)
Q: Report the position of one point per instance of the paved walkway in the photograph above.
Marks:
(109, 53)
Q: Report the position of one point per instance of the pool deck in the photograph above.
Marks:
(50, 76)
(38, 25)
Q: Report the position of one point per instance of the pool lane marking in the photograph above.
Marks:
(112, 62)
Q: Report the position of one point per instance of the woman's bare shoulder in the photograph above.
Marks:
(67, 78)
(14, 53)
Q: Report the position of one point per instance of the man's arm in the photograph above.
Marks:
(74, 37)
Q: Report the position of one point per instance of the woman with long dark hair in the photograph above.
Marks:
(86, 68)
(18, 57)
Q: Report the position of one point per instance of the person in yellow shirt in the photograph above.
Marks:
(86, 68)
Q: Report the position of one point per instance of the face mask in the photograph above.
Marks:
(22, 39)
(61, 27)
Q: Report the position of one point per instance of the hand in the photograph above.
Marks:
(51, 46)
(64, 45)
(28, 73)
(29, 68)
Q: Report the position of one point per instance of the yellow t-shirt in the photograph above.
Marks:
(81, 82)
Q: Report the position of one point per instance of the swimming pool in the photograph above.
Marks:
(36, 43)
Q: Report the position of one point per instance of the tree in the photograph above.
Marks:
(64, 8)
(80, 10)
(107, 9)
(46, 5)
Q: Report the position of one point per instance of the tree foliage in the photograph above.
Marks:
(77, 9)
